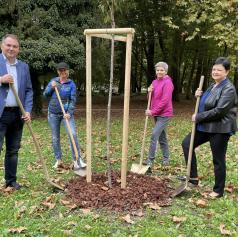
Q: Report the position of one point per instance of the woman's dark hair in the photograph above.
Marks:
(224, 62)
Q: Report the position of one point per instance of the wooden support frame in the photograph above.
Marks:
(116, 34)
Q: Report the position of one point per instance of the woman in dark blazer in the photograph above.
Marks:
(215, 123)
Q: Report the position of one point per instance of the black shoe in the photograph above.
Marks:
(14, 185)
(194, 181)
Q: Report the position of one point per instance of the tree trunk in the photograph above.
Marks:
(175, 65)
(37, 102)
(122, 57)
(163, 47)
(190, 79)
(150, 61)
(199, 71)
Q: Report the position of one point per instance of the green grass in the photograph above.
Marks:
(24, 208)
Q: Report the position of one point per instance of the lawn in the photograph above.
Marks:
(38, 210)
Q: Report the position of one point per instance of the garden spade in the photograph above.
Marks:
(140, 168)
(38, 150)
(81, 171)
(183, 187)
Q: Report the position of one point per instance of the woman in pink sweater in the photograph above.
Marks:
(161, 109)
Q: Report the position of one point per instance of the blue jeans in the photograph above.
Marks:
(55, 122)
(11, 126)
(159, 134)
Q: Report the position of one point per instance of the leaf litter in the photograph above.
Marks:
(140, 190)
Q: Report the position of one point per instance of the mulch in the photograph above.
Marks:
(141, 190)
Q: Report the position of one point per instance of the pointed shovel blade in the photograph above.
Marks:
(179, 190)
(139, 169)
(80, 172)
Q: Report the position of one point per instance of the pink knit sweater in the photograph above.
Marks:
(161, 98)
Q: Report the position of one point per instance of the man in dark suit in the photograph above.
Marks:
(14, 71)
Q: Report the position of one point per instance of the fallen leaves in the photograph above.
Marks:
(153, 206)
(88, 227)
(138, 213)
(179, 220)
(86, 211)
(68, 204)
(230, 188)
(201, 203)
(49, 202)
(67, 232)
(224, 231)
(127, 219)
(17, 230)
(7, 190)
(104, 188)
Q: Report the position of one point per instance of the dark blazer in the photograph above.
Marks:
(25, 92)
(220, 110)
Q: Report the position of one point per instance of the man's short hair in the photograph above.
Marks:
(10, 36)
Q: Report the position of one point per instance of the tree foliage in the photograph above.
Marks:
(187, 34)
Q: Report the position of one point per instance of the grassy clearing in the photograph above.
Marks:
(26, 213)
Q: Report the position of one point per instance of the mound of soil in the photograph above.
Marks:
(141, 189)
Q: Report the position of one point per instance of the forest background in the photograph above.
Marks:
(187, 34)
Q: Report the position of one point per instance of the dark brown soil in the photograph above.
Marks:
(140, 190)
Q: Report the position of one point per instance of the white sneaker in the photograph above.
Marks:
(82, 164)
(79, 164)
(57, 164)
(76, 165)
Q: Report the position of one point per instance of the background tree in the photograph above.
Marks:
(187, 34)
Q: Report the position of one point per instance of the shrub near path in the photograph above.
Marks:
(37, 210)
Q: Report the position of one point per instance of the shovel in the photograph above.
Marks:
(48, 179)
(184, 186)
(140, 168)
(80, 172)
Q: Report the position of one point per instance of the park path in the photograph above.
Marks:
(138, 104)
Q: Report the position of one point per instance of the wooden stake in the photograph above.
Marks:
(126, 111)
(110, 31)
(88, 109)
(105, 36)
(103, 32)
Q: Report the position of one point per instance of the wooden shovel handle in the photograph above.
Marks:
(145, 129)
(193, 134)
(68, 125)
(38, 150)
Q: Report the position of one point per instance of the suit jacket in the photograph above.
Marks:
(25, 92)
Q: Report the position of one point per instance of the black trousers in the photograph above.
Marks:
(218, 143)
(11, 126)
